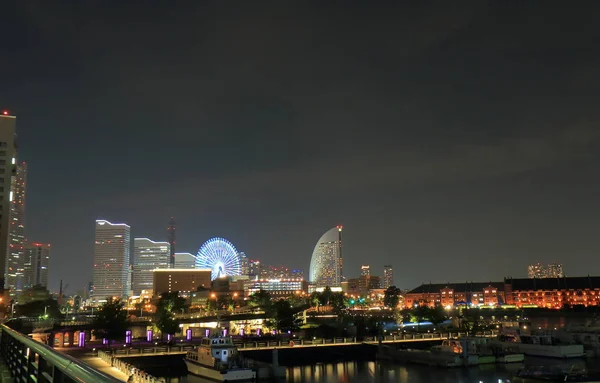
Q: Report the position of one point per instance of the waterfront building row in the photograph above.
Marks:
(520, 292)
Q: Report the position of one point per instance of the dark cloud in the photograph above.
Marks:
(436, 133)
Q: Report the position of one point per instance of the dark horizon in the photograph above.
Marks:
(453, 141)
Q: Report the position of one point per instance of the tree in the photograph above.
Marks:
(283, 317)
(111, 320)
(338, 304)
(168, 305)
(326, 296)
(47, 308)
(171, 302)
(437, 315)
(391, 297)
(261, 299)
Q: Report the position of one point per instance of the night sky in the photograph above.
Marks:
(455, 142)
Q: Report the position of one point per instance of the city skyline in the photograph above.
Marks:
(471, 143)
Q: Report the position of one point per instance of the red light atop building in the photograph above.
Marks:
(5, 112)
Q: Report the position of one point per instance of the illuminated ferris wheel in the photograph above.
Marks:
(219, 255)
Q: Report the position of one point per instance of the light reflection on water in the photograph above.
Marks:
(376, 372)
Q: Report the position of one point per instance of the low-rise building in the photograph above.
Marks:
(553, 292)
(455, 294)
(277, 287)
(182, 280)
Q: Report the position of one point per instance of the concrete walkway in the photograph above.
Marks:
(93, 361)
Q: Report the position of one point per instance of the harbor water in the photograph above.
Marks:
(385, 372)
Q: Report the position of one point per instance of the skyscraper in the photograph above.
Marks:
(365, 271)
(35, 265)
(244, 263)
(555, 270)
(536, 271)
(15, 262)
(171, 238)
(8, 172)
(185, 261)
(147, 256)
(388, 276)
(326, 261)
(111, 260)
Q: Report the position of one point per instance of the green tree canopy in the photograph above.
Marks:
(391, 297)
(261, 299)
(283, 317)
(111, 320)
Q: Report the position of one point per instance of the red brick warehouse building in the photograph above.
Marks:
(541, 292)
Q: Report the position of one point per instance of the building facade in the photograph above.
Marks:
(536, 271)
(182, 280)
(365, 271)
(553, 292)
(35, 265)
(456, 294)
(388, 276)
(277, 287)
(172, 241)
(15, 261)
(111, 260)
(326, 263)
(147, 256)
(555, 270)
(185, 261)
(8, 174)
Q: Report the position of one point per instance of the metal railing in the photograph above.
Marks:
(32, 361)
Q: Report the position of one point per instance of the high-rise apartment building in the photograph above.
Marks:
(35, 266)
(326, 261)
(555, 270)
(8, 174)
(536, 271)
(111, 260)
(365, 271)
(15, 261)
(388, 276)
(148, 255)
(244, 263)
(171, 238)
(185, 261)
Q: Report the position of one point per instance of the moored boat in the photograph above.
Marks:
(218, 359)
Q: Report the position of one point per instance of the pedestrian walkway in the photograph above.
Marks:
(93, 361)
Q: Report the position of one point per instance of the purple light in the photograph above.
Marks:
(188, 334)
(169, 337)
(82, 339)
(207, 333)
(242, 332)
(128, 336)
(149, 335)
(258, 331)
(225, 332)
(104, 341)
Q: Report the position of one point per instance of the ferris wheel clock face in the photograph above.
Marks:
(219, 255)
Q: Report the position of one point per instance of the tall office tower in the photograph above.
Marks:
(326, 261)
(244, 263)
(536, 271)
(15, 262)
(185, 261)
(111, 260)
(8, 172)
(171, 238)
(255, 268)
(35, 266)
(147, 256)
(365, 271)
(388, 276)
(555, 270)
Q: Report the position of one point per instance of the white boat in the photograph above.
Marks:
(539, 345)
(218, 359)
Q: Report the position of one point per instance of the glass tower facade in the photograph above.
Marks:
(35, 265)
(147, 256)
(8, 173)
(326, 262)
(111, 260)
(15, 261)
(388, 276)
